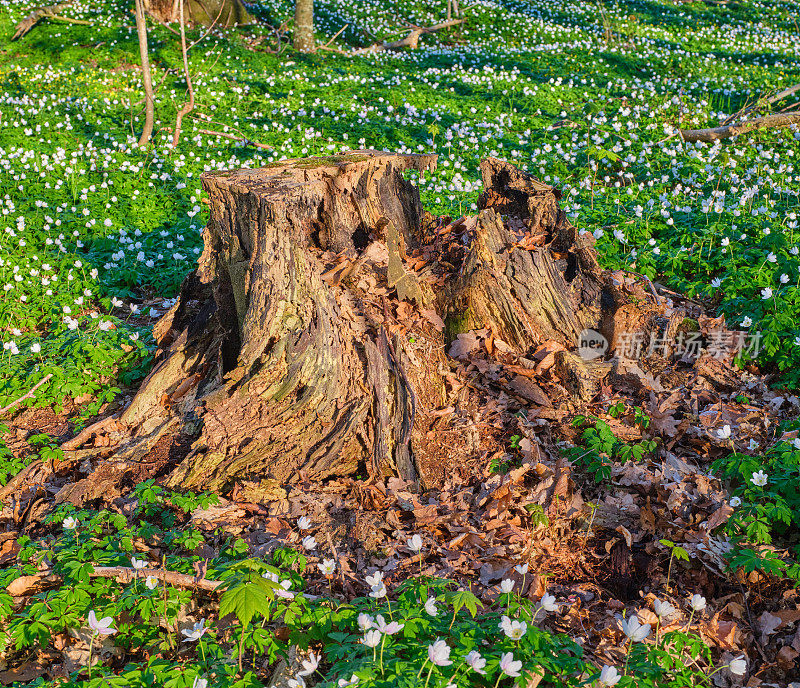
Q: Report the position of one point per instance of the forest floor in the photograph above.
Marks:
(677, 481)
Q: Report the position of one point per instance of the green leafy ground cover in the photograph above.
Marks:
(97, 234)
(429, 633)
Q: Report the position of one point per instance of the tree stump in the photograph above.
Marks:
(292, 351)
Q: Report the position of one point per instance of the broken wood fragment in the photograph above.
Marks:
(774, 121)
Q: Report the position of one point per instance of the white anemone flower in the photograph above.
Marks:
(507, 585)
(663, 609)
(327, 566)
(101, 626)
(738, 666)
(439, 653)
(609, 676)
(196, 632)
(371, 638)
(475, 662)
(388, 628)
(634, 629)
(309, 665)
(509, 666)
(548, 603)
(515, 629)
(697, 603)
(430, 607)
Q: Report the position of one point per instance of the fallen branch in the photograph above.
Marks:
(126, 575)
(776, 121)
(410, 41)
(785, 93)
(26, 585)
(50, 12)
(167, 26)
(233, 137)
(27, 395)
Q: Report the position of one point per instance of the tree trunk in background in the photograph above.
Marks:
(304, 26)
(206, 12)
(147, 82)
(310, 343)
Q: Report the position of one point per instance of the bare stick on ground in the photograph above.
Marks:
(776, 121)
(233, 137)
(26, 585)
(29, 394)
(50, 12)
(761, 102)
(410, 41)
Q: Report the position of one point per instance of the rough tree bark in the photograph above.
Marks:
(206, 12)
(290, 353)
(304, 26)
(282, 358)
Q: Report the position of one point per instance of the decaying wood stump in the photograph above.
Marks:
(286, 356)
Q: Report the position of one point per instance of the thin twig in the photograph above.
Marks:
(69, 20)
(410, 41)
(27, 394)
(168, 27)
(785, 93)
(38, 14)
(243, 139)
(208, 31)
(650, 284)
(336, 35)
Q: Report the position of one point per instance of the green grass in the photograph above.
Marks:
(97, 218)
(96, 234)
